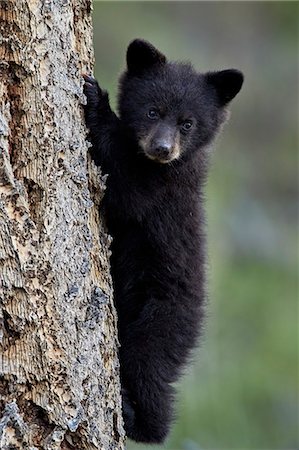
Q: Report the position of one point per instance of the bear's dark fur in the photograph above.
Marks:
(156, 155)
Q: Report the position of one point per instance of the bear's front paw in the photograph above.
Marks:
(96, 97)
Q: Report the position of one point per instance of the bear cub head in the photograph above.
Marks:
(170, 110)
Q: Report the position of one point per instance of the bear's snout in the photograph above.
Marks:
(163, 145)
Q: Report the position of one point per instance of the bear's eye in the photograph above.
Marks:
(153, 114)
(187, 125)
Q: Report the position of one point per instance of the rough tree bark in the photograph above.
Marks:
(59, 381)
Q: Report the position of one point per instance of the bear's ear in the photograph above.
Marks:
(142, 55)
(227, 84)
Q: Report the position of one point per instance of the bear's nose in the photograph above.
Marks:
(163, 149)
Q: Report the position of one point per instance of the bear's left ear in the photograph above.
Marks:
(227, 84)
(142, 55)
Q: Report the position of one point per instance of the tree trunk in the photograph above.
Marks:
(59, 382)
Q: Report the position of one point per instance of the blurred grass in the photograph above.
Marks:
(242, 391)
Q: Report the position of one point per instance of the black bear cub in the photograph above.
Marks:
(155, 153)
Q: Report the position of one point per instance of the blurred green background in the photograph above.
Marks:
(241, 391)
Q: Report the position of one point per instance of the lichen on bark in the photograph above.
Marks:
(58, 348)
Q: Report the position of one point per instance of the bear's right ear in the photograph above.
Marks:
(227, 84)
(142, 55)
